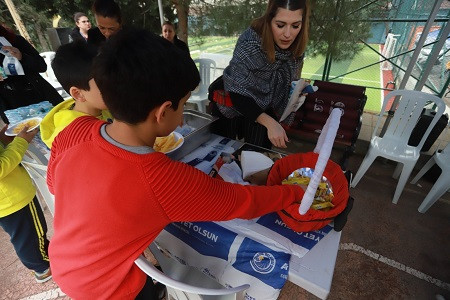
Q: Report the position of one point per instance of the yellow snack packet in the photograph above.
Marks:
(324, 194)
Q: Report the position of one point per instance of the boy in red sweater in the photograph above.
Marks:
(114, 193)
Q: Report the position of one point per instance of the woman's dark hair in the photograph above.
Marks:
(262, 26)
(78, 15)
(137, 71)
(168, 23)
(107, 9)
(7, 33)
(72, 65)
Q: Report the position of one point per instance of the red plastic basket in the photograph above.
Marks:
(313, 219)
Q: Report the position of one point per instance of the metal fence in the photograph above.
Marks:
(385, 56)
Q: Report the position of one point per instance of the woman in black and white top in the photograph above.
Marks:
(268, 56)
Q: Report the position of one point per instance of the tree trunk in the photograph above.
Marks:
(182, 7)
(42, 40)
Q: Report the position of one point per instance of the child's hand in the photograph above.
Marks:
(28, 136)
(3, 137)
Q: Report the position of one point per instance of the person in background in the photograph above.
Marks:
(268, 56)
(21, 215)
(109, 21)
(23, 90)
(72, 66)
(168, 32)
(80, 33)
(114, 193)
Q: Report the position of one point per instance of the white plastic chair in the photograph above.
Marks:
(394, 144)
(48, 56)
(38, 173)
(442, 184)
(200, 95)
(35, 163)
(184, 282)
(50, 76)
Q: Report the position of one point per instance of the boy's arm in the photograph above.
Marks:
(198, 197)
(12, 155)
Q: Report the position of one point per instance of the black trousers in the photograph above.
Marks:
(28, 232)
(149, 291)
(252, 132)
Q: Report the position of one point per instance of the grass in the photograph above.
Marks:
(369, 77)
(313, 67)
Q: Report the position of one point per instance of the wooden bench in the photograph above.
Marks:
(311, 117)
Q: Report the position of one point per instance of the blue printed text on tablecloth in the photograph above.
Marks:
(305, 239)
(206, 238)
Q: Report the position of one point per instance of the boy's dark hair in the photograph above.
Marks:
(107, 9)
(72, 65)
(136, 71)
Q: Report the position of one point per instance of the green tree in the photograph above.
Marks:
(223, 17)
(337, 30)
(35, 23)
(142, 14)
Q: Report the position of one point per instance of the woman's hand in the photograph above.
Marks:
(13, 51)
(275, 132)
(28, 136)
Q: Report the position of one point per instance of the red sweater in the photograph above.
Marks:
(110, 204)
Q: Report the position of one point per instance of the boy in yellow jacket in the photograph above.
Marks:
(72, 67)
(21, 215)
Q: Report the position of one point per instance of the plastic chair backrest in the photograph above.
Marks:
(204, 67)
(188, 291)
(48, 57)
(406, 115)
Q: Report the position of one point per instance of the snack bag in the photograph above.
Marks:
(324, 193)
(297, 95)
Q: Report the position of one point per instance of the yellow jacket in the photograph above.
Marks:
(16, 187)
(59, 117)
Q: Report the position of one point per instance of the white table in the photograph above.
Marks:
(314, 271)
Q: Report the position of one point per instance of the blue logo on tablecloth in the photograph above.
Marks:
(263, 262)
(257, 260)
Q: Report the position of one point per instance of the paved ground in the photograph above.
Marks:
(387, 251)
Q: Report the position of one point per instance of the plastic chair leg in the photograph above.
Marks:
(398, 170)
(424, 169)
(406, 172)
(366, 163)
(439, 188)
